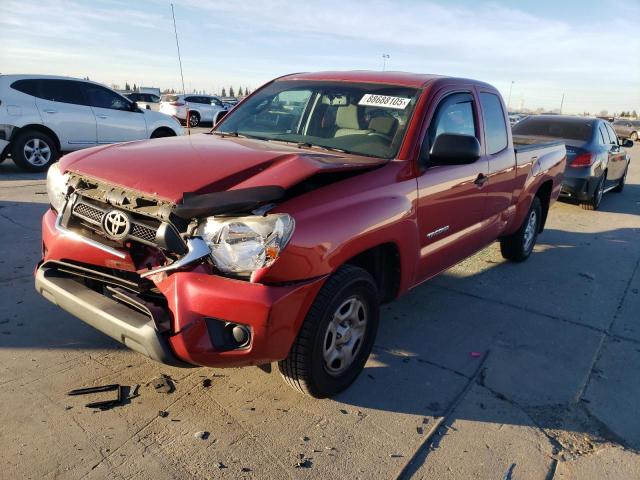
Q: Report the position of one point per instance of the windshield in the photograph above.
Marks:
(559, 128)
(366, 119)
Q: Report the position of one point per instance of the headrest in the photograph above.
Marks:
(384, 125)
(347, 117)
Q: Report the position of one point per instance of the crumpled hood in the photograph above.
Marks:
(169, 167)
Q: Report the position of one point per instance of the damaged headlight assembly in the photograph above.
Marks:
(241, 245)
(57, 186)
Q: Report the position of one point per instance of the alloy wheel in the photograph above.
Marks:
(530, 230)
(37, 152)
(344, 335)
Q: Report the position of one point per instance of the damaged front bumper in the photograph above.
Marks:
(199, 308)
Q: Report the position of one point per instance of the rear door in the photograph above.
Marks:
(617, 158)
(115, 119)
(502, 161)
(452, 198)
(63, 109)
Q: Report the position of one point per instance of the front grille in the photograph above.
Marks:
(92, 214)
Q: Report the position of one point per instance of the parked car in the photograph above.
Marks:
(200, 108)
(229, 102)
(276, 236)
(596, 159)
(627, 129)
(44, 116)
(145, 100)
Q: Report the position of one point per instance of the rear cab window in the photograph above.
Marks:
(495, 127)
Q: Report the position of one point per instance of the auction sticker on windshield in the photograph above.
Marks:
(385, 101)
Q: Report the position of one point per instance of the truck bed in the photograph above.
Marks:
(530, 148)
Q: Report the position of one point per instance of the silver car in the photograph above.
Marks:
(194, 108)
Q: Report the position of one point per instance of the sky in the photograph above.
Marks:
(587, 50)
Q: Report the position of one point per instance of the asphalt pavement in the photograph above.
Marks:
(491, 370)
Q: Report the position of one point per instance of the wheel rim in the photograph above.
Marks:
(530, 230)
(344, 336)
(37, 152)
(193, 120)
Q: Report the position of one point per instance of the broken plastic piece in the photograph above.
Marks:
(105, 404)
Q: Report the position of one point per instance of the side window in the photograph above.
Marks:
(30, 87)
(189, 99)
(453, 115)
(612, 136)
(215, 101)
(603, 137)
(101, 97)
(65, 91)
(495, 128)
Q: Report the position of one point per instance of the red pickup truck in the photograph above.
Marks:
(276, 236)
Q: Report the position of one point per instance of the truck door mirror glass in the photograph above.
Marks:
(454, 149)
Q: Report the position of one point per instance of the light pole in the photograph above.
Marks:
(509, 101)
(385, 56)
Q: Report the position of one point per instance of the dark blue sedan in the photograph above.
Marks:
(596, 159)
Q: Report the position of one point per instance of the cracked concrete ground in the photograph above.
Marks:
(491, 370)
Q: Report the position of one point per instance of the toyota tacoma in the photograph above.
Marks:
(276, 236)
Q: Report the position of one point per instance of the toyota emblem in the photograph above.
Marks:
(116, 224)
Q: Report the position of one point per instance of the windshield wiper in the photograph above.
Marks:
(238, 135)
(324, 147)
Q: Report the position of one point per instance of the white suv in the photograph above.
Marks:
(201, 108)
(43, 116)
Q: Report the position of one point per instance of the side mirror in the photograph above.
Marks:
(627, 143)
(454, 149)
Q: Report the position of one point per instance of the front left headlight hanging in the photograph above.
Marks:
(241, 245)
(57, 186)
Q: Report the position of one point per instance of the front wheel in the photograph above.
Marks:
(518, 246)
(194, 119)
(336, 337)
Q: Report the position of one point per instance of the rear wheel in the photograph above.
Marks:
(194, 119)
(34, 151)
(336, 337)
(620, 187)
(594, 202)
(518, 247)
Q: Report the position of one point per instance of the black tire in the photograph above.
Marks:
(305, 369)
(163, 132)
(194, 119)
(620, 187)
(45, 147)
(518, 246)
(594, 202)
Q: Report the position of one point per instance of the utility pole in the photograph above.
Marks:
(175, 30)
(509, 101)
(561, 103)
(385, 56)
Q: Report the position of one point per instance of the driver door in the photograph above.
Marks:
(451, 198)
(116, 120)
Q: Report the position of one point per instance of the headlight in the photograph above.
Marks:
(241, 245)
(57, 187)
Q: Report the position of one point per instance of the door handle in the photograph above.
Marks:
(51, 111)
(102, 116)
(481, 179)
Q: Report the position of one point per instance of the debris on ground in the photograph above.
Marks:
(305, 439)
(509, 474)
(104, 404)
(245, 469)
(163, 413)
(220, 465)
(163, 384)
(206, 383)
(396, 455)
(134, 391)
(420, 430)
(343, 411)
(304, 463)
(201, 435)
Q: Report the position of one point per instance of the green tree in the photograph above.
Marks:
(127, 86)
(634, 114)
(240, 92)
(231, 92)
(246, 91)
(224, 92)
(135, 88)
